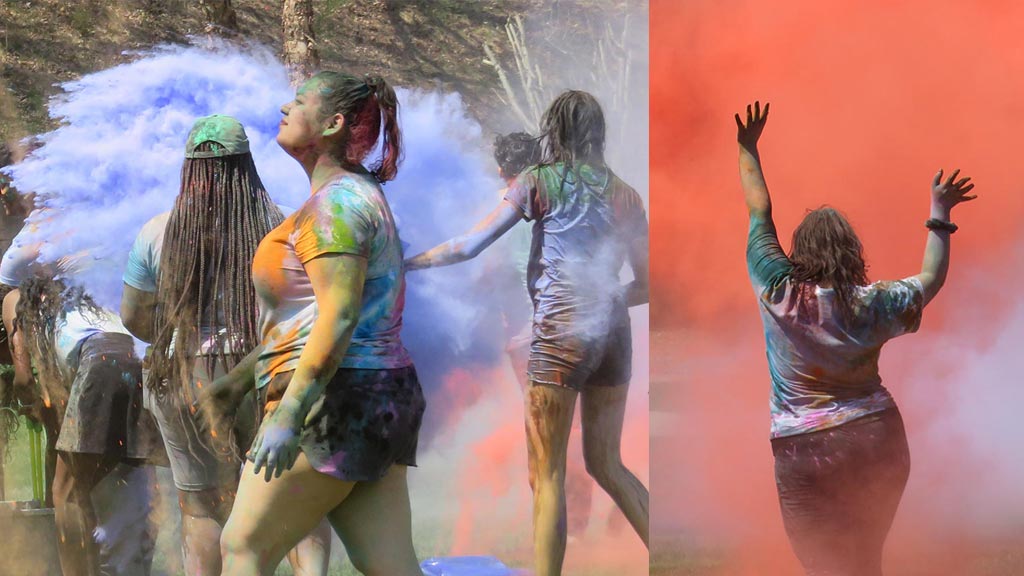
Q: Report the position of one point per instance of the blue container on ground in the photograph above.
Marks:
(467, 566)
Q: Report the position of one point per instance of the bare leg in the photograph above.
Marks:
(375, 523)
(579, 487)
(270, 518)
(202, 515)
(549, 411)
(123, 502)
(603, 409)
(312, 555)
(51, 423)
(74, 478)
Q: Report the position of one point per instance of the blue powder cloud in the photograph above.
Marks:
(116, 160)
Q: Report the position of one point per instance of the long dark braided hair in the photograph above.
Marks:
(826, 250)
(205, 278)
(43, 303)
(368, 104)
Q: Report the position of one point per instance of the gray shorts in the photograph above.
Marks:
(198, 460)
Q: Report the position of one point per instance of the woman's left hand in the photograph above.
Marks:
(277, 444)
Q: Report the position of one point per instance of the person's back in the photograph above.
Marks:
(822, 354)
(824, 368)
(584, 220)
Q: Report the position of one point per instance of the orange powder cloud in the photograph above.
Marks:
(869, 100)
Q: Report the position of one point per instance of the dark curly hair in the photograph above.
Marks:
(42, 304)
(826, 250)
(516, 152)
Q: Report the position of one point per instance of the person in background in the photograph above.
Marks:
(586, 224)
(188, 292)
(514, 153)
(92, 381)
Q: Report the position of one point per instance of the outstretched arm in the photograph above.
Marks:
(25, 389)
(751, 176)
(945, 195)
(470, 244)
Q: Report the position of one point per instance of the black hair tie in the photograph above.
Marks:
(941, 225)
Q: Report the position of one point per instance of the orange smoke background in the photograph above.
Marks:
(869, 100)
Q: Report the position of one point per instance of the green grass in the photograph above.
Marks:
(431, 539)
(17, 468)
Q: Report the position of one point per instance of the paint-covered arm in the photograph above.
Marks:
(470, 244)
(637, 236)
(137, 307)
(638, 291)
(767, 263)
(944, 196)
(22, 364)
(25, 389)
(337, 281)
(755, 190)
(219, 399)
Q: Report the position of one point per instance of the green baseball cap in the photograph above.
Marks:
(226, 134)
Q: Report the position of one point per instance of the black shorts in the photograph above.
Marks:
(366, 421)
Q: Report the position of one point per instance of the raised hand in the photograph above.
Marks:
(748, 134)
(950, 192)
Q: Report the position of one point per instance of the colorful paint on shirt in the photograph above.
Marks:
(346, 216)
(824, 369)
(583, 224)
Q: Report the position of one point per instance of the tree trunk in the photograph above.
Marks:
(220, 13)
(300, 53)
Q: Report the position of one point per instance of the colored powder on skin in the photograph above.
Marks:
(869, 100)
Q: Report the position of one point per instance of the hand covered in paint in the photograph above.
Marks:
(277, 443)
(950, 192)
(748, 134)
(219, 399)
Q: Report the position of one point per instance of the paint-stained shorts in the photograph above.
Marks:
(839, 489)
(105, 413)
(366, 421)
(564, 354)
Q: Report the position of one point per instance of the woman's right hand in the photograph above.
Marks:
(949, 193)
(748, 134)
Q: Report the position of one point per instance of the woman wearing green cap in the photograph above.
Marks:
(188, 291)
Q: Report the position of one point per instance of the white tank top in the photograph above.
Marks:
(79, 325)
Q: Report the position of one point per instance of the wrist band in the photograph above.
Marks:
(936, 224)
